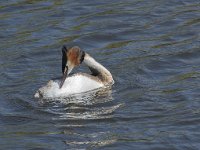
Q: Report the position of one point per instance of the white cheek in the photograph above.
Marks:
(69, 70)
(70, 66)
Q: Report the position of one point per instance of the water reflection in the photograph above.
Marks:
(71, 114)
(96, 104)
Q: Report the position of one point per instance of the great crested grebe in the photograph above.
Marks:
(79, 82)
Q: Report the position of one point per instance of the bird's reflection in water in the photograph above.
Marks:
(78, 113)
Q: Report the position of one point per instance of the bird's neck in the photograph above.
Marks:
(97, 69)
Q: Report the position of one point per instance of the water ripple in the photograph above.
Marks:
(150, 47)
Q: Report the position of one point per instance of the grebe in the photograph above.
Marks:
(79, 82)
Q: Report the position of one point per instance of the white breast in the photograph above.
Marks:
(74, 84)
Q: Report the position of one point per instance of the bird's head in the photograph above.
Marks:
(71, 58)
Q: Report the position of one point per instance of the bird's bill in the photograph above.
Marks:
(65, 73)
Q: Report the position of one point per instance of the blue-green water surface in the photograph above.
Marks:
(152, 48)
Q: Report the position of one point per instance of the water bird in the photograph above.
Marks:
(78, 82)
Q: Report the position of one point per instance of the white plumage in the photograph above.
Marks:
(74, 84)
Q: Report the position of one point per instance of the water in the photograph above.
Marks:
(152, 49)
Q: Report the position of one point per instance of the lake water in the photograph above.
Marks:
(152, 48)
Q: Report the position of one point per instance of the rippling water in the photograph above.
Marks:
(152, 49)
